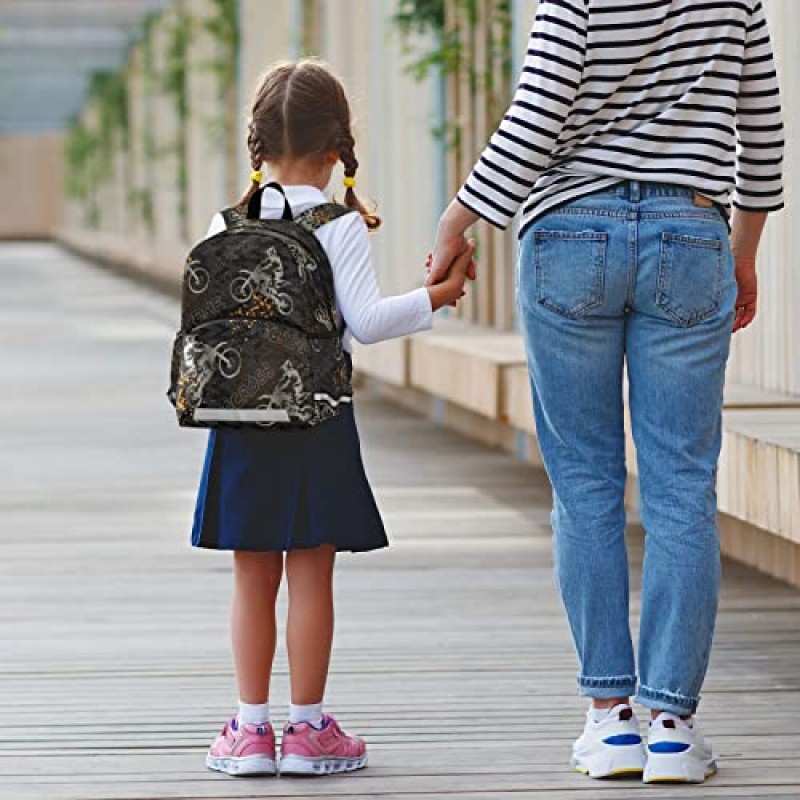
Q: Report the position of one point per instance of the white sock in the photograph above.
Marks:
(311, 714)
(253, 713)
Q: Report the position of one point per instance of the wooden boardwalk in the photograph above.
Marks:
(452, 655)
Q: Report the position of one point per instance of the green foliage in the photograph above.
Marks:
(108, 92)
(500, 51)
(426, 20)
(148, 25)
(146, 37)
(419, 16)
(84, 165)
(223, 26)
(174, 77)
(415, 19)
(141, 201)
(89, 150)
(93, 140)
(174, 80)
(81, 145)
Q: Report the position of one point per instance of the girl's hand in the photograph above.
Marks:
(446, 250)
(428, 266)
(747, 299)
(451, 289)
(451, 243)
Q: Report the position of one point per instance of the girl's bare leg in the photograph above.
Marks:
(257, 578)
(309, 633)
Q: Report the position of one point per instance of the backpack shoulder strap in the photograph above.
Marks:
(315, 218)
(232, 217)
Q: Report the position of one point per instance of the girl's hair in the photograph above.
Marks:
(301, 109)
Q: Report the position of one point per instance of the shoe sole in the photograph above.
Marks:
(677, 768)
(305, 765)
(616, 762)
(243, 767)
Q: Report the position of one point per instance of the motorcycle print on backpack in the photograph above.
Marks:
(260, 342)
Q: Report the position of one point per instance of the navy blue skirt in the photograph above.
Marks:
(273, 490)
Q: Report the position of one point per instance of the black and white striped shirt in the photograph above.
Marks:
(673, 91)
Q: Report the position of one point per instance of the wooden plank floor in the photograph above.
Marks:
(452, 655)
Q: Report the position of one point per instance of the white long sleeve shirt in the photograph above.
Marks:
(368, 316)
(672, 91)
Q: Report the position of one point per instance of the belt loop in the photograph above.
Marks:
(636, 192)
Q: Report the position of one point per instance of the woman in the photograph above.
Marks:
(621, 148)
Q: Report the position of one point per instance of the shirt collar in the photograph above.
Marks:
(296, 195)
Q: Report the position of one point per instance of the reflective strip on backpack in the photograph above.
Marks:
(326, 398)
(241, 415)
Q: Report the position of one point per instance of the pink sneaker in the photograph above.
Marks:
(306, 750)
(245, 750)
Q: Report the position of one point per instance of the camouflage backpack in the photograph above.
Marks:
(260, 343)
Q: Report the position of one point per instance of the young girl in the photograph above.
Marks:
(287, 501)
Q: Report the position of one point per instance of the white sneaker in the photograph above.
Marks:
(677, 752)
(611, 747)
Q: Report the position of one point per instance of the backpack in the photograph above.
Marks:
(260, 341)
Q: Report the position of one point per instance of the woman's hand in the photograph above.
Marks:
(747, 228)
(451, 289)
(747, 299)
(451, 242)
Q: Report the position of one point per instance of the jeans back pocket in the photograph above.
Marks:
(570, 270)
(689, 288)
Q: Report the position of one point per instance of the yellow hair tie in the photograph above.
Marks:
(256, 176)
(350, 183)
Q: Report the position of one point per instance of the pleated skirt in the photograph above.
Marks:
(272, 490)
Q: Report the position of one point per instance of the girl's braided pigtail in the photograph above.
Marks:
(256, 161)
(348, 158)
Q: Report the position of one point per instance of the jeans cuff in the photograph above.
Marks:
(607, 688)
(661, 700)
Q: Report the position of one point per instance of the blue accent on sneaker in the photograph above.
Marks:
(668, 747)
(623, 739)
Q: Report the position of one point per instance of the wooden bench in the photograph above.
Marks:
(386, 361)
(466, 368)
(462, 364)
(759, 489)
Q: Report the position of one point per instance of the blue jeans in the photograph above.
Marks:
(640, 275)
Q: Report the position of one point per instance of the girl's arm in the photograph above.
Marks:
(369, 316)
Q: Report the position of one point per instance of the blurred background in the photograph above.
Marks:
(122, 132)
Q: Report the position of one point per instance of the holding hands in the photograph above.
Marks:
(452, 259)
(450, 288)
